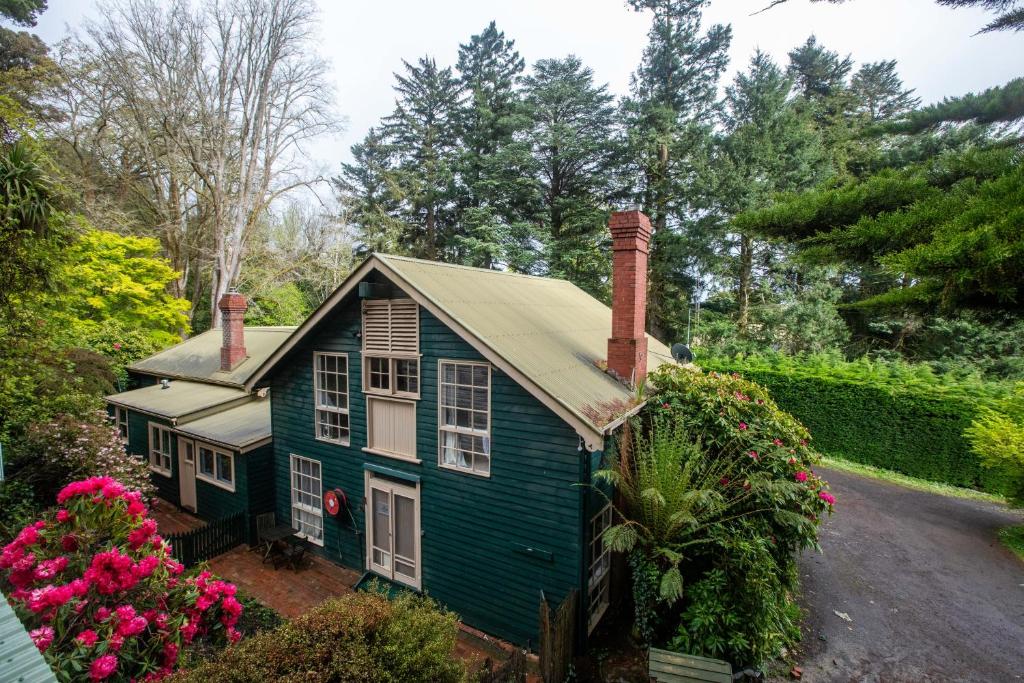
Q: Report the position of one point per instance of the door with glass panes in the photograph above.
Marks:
(393, 530)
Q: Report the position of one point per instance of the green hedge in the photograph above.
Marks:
(892, 416)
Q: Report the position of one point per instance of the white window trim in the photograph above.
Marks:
(442, 428)
(160, 455)
(346, 440)
(306, 508)
(409, 490)
(121, 418)
(207, 478)
(404, 457)
(593, 618)
(392, 389)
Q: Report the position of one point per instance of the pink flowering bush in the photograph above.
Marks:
(100, 593)
(717, 493)
(68, 448)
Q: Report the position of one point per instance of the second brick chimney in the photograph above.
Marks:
(627, 347)
(232, 351)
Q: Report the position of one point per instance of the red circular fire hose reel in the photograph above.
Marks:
(335, 501)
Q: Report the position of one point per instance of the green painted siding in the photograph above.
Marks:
(138, 445)
(474, 529)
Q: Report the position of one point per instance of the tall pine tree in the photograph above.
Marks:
(668, 115)
(370, 195)
(572, 136)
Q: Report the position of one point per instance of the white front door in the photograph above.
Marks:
(393, 533)
(187, 473)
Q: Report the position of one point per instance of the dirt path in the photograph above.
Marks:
(930, 592)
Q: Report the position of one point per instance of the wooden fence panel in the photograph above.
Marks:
(207, 542)
(557, 637)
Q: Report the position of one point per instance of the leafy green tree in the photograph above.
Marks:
(572, 137)
(423, 131)
(22, 12)
(769, 146)
(106, 276)
(668, 117)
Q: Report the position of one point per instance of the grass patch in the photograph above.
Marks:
(911, 482)
(1013, 538)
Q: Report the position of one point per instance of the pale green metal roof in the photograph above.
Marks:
(239, 427)
(198, 358)
(550, 330)
(20, 660)
(180, 400)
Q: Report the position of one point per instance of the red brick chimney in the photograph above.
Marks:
(232, 351)
(627, 347)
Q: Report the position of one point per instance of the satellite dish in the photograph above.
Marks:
(682, 353)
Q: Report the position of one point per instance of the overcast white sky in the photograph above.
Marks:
(366, 41)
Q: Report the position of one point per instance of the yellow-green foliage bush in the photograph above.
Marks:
(358, 638)
(997, 437)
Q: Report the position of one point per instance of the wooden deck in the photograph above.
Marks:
(171, 520)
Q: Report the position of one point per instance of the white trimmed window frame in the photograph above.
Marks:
(121, 422)
(214, 477)
(325, 411)
(306, 506)
(160, 459)
(599, 568)
(382, 348)
(454, 431)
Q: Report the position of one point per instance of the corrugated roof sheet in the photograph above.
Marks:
(20, 660)
(198, 358)
(550, 330)
(181, 399)
(238, 427)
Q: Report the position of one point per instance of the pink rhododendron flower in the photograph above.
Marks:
(102, 667)
(69, 543)
(138, 537)
(42, 637)
(753, 454)
(743, 426)
(132, 627)
(724, 481)
(665, 406)
(117, 346)
(791, 461)
(777, 442)
(87, 637)
(800, 476)
(63, 516)
(170, 654)
(827, 497)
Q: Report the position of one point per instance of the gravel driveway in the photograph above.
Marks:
(929, 592)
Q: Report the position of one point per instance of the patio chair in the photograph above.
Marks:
(264, 522)
(292, 556)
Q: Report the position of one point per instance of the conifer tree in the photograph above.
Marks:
(572, 136)
(668, 116)
(879, 92)
(370, 195)
(422, 131)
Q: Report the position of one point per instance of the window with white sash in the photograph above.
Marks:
(307, 499)
(599, 583)
(330, 381)
(216, 466)
(121, 420)
(160, 449)
(464, 413)
(391, 342)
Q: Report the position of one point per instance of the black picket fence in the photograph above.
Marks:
(207, 542)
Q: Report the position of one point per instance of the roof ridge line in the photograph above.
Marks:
(459, 266)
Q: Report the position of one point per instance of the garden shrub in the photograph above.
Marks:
(718, 495)
(18, 507)
(896, 416)
(362, 637)
(997, 438)
(100, 593)
(55, 453)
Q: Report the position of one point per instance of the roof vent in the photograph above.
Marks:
(165, 384)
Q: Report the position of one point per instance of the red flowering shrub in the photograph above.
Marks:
(102, 596)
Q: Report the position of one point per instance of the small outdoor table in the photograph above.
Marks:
(275, 535)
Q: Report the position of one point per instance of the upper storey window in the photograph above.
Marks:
(391, 344)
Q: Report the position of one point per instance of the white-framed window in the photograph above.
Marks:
(330, 381)
(216, 466)
(391, 338)
(121, 420)
(160, 449)
(391, 427)
(599, 582)
(464, 414)
(307, 499)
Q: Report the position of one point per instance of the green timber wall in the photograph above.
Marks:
(477, 533)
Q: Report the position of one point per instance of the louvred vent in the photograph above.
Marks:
(391, 326)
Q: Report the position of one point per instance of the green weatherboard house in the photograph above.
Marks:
(461, 412)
